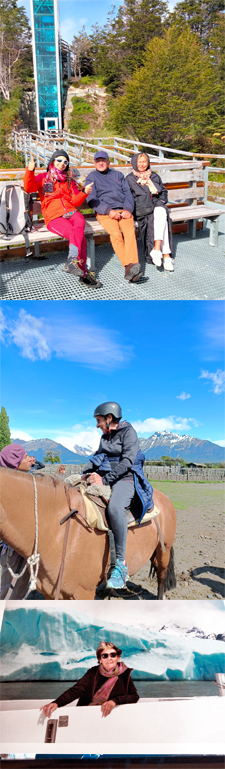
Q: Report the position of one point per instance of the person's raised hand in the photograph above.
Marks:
(49, 709)
(88, 188)
(115, 214)
(31, 164)
(107, 707)
(95, 478)
(126, 215)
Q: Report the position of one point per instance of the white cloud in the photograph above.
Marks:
(21, 435)
(29, 335)
(3, 325)
(152, 425)
(219, 443)
(218, 379)
(77, 341)
(183, 396)
(68, 29)
(84, 437)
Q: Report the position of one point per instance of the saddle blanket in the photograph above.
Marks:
(96, 517)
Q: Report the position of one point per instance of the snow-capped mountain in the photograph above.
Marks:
(40, 446)
(183, 446)
(157, 445)
(83, 451)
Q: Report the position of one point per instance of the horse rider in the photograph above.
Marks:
(118, 462)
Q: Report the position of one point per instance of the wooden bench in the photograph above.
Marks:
(185, 183)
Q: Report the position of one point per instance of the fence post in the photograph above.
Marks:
(161, 153)
(19, 142)
(135, 147)
(25, 149)
(99, 142)
(206, 180)
(37, 153)
(115, 148)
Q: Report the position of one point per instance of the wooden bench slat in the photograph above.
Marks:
(186, 194)
(171, 172)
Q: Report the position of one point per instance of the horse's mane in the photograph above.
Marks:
(44, 477)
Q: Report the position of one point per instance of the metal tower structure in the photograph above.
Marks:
(47, 63)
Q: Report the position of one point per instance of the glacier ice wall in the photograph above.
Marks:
(37, 644)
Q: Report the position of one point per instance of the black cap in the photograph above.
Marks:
(110, 407)
(58, 154)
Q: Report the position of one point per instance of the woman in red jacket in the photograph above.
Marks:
(107, 684)
(60, 197)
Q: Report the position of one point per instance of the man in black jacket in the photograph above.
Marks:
(113, 202)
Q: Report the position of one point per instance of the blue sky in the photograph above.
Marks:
(162, 361)
(76, 13)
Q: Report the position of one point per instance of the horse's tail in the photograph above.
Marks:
(170, 581)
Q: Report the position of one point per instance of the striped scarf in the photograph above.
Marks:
(103, 694)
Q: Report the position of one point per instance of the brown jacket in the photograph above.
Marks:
(123, 693)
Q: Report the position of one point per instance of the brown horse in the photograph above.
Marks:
(87, 558)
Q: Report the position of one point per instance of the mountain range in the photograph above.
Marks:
(157, 445)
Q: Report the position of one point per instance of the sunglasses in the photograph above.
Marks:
(111, 654)
(61, 160)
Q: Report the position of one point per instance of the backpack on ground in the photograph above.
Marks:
(15, 213)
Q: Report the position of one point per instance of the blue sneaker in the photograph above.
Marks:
(119, 576)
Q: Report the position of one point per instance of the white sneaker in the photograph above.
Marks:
(156, 257)
(168, 264)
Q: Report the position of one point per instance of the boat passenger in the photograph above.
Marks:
(107, 684)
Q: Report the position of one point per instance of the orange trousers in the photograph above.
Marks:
(123, 238)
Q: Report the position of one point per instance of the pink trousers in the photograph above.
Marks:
(73, 230)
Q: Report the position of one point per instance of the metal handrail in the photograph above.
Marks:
(38, 145)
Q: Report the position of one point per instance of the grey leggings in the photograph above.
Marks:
(122, 494)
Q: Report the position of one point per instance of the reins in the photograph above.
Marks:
(32, 561)
(66, 519)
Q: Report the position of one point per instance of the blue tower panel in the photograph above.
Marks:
(47, 59)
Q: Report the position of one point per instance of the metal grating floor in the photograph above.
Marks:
(199, 274)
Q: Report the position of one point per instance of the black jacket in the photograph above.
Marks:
(120, 447)
(123, 693)
(144, 201)
(144, 204)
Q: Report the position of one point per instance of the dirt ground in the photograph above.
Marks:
(199, 545)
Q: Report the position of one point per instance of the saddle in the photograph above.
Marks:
(96, 498)
(95, 508)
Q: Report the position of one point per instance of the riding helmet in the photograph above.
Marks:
(108, 408)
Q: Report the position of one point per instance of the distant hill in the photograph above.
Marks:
(189, 449)
(159, 444)
(39, 448)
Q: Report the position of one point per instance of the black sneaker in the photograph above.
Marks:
(73, 268)
(90, 280)
(133, 272)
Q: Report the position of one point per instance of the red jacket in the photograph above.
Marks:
(54, 204)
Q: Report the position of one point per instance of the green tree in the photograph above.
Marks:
(201, 16)
(5, 435)
(15, 68)
(175, 95)
(81, 54)
(15, 48)
(51, 457)
(118, 48)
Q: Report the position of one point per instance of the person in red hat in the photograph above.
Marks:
(113, 202)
